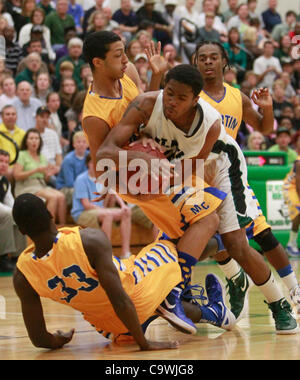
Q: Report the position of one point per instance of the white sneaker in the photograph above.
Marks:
(295, 297)
(292, 251)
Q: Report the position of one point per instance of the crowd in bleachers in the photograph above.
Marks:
(44, 79)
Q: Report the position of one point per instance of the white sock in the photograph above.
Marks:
(271, 290)
(293, 239)
(230, 269)
(290, 281)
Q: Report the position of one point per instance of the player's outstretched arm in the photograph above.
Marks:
(99, 252)
(34, 318)
(262, 123)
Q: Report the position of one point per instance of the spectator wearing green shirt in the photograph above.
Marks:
(57, 21)
(74, 56)
(283, 139)
(46, 6)
(33, 64)
(31, 173)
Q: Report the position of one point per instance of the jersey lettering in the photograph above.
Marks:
(80, 276)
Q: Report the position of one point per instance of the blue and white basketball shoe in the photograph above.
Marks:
(216, 312)
(172, 310)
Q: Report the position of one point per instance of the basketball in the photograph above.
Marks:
(146, 185)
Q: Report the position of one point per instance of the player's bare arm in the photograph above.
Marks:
(263, 99)
(99, 253)
(34, 318)
(138, 112)
(97, 130)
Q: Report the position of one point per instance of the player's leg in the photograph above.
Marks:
(292, 246)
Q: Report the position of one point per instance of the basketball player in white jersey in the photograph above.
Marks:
(190, 128)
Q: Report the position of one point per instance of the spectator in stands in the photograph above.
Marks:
(13, 7)
(9, 128)
(76, 11)
(127, 19)
(74, 117)
(162, 29)
(133, 48)
(290, 93)
(35, 45)
(72, 166)
(241, 21)
(144, 39)
(33, 66)
(236, 53)
(170, 54)
(31, 173)
(91, 214)
(207, 32)
(283, 140)
(57, 21)
(13, 51)
(97, 7)
(271, 17)
(253, 14)
(53, 104)
(231, 11)
(267, 67)
(42, 87)
(12, 241)
(209, 6)
(255, 141)
(284, 28)
(23, 18)
(3, 24)
(66, 71)
(46, 6)
(8, 95)
(69, 32)
(295, 76)
(188, 12)
(284, 48)
(6, 15)
(279, 99)
(51, 148)
(142, 66)
(169, 12)
(74, 56)
(26, 106)
(36, 24)
(68, 91)
(97, 22)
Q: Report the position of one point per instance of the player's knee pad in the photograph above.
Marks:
(266, 240)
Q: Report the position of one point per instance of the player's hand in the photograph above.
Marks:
(158, 64)
(145, 140)
(153, 346)
(62, 338)
(262, 98)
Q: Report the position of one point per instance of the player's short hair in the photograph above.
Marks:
(31, 215)
(4, 153)
(96, 45)
(188, 75)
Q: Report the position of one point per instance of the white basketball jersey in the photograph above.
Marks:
(179, 144)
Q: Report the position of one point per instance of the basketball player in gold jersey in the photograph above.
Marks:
(234, 106)
(77, 268)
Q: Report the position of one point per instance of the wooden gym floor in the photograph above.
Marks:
(253, 338)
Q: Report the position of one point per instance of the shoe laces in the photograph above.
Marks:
(187, 294)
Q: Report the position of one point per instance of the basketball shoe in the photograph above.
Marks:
(216, 312)
(172, 310)
(238, 288)
(285, 322)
